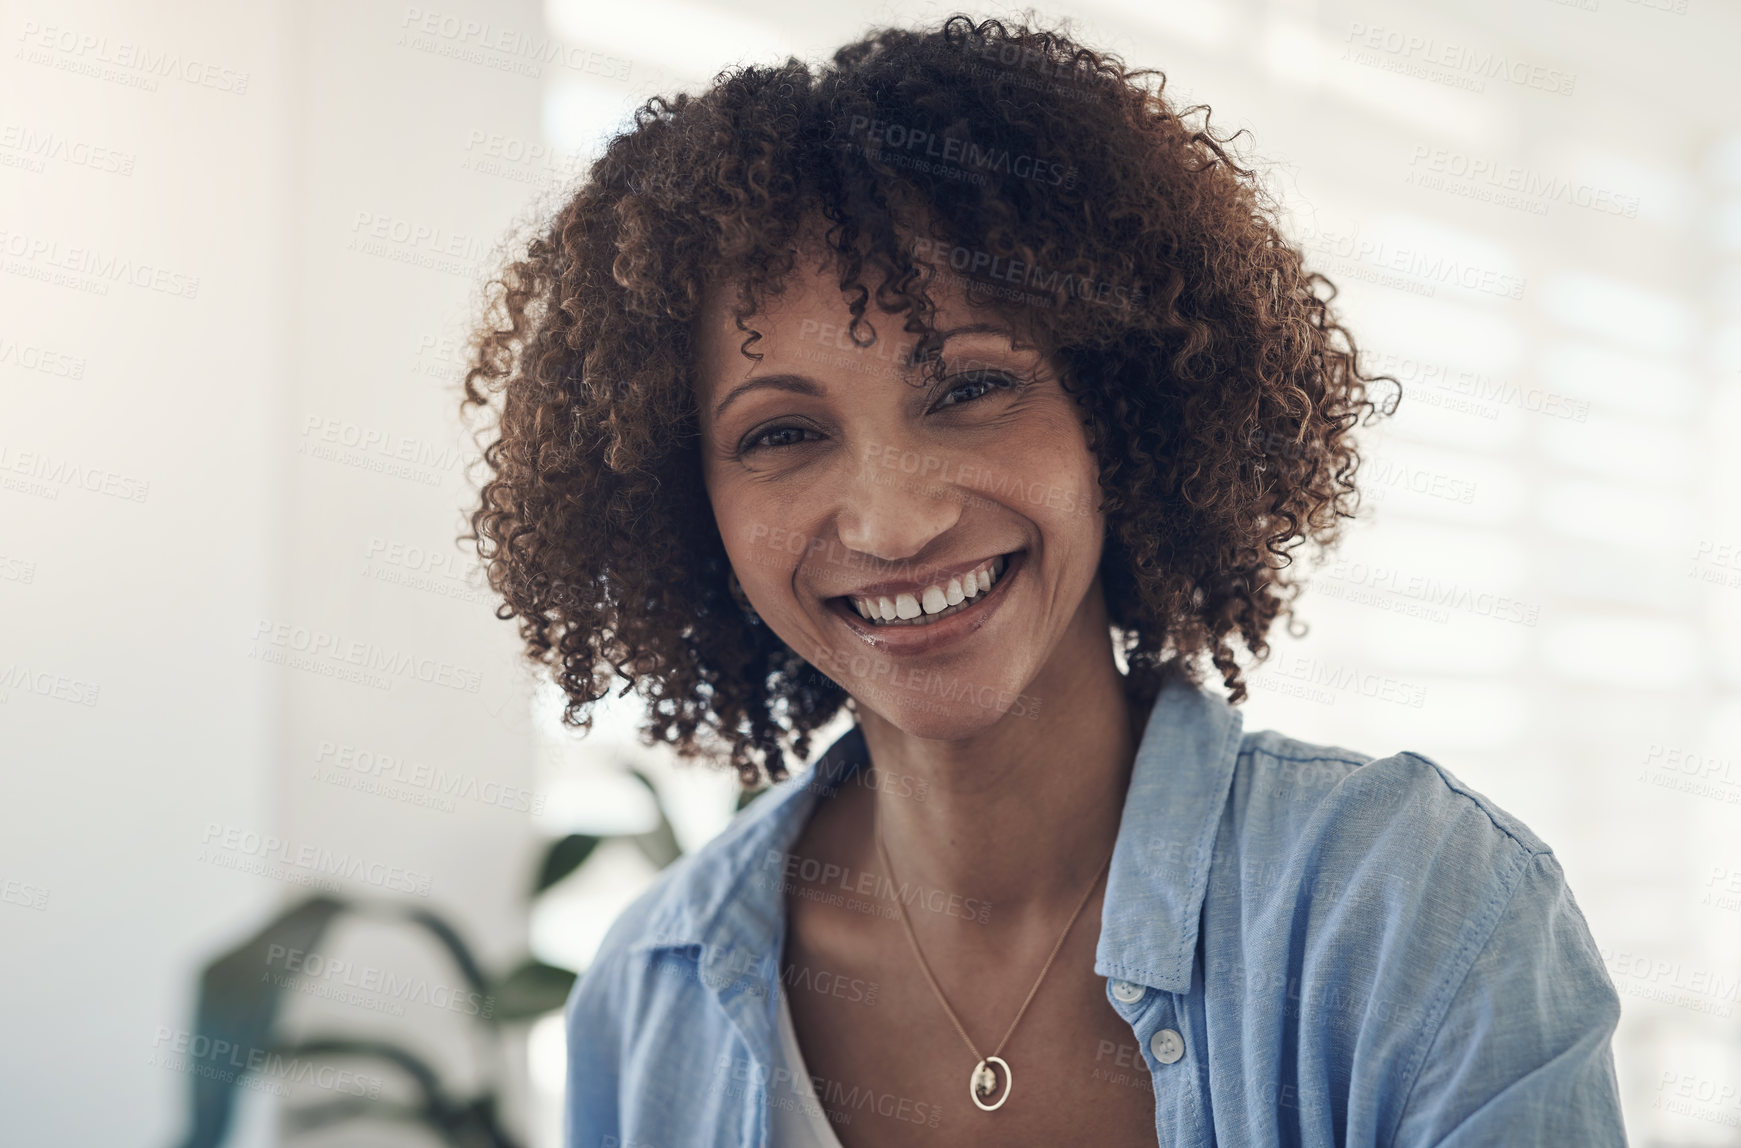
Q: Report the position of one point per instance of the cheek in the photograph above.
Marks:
(762, 537)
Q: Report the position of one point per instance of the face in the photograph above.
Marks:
(841, 488)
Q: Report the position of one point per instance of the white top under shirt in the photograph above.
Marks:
(795, 1117)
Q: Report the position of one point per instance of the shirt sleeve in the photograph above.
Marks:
(1523, 1055)
(590, 1116)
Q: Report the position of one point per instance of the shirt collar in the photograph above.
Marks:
(1160, 863)
(733, 908)
(735, 902)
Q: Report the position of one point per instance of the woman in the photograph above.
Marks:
(969, 386)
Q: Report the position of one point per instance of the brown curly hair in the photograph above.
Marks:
(1218, 389)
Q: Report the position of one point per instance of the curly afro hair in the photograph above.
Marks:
(1218, 390)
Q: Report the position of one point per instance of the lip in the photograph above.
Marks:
(907, 641)
(936, 575)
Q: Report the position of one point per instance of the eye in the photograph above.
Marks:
(773, 437)
(986, 380)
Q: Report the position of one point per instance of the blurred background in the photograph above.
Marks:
(245, 669)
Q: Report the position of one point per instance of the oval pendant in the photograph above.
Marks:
(984, 1083)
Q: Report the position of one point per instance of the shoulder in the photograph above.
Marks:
(1405, 810)
(1409, 896)
(1392, 866)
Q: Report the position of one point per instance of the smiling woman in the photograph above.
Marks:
(968, 386)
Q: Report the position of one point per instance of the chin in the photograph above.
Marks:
(935, 719)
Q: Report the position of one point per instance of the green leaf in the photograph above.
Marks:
(532, 990)
(659, 844)
(461, 1123)
(564, 857)
(239, 997)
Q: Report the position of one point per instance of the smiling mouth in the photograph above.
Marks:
(935, 603)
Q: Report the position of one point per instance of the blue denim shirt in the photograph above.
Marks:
(1322, 949)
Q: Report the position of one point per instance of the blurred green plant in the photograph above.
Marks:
(240, 1011)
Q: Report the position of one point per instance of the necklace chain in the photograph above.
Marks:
(913, 940)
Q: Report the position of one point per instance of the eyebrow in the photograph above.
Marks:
(797, 384)
(802, 385)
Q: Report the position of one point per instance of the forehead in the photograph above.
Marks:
(812, 306)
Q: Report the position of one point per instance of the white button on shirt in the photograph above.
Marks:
(1167, 1046)
(1127, 992)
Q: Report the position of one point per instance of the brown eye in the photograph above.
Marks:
(987, 381)
(772, 438)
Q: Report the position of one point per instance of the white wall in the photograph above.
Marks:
(218, 399)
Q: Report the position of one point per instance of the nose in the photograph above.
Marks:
(892, 513)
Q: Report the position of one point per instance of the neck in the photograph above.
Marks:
(1023, 813)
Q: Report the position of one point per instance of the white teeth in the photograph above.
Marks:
(933, 599)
